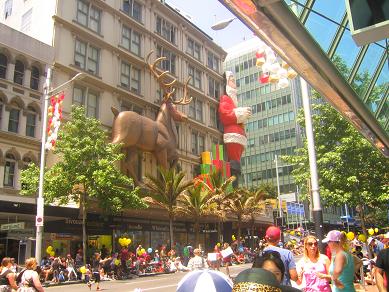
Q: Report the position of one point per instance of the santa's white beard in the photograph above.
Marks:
(233, 93)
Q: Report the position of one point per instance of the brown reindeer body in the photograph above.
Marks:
(159, 137)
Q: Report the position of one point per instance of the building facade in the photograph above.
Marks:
(109, 41)
(22, 75)
(272, 131)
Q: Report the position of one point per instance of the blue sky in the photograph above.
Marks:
(205, 13)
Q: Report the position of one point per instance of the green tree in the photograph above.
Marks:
(85, 171)
(164, 190)
(218, 191)
(194, 204)
(351, 171)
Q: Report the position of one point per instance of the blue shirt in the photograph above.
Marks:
(288, 260)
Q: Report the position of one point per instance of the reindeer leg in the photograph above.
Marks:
(132, 164)
(161, 157)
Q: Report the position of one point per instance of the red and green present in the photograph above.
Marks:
(217, 152)
(205, 168)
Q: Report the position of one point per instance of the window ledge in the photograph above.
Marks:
(85, 71)
(88, 28)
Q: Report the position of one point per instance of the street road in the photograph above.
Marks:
(159, 283)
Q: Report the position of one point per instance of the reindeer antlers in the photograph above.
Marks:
(167, 87)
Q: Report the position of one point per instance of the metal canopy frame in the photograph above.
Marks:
(274, 23)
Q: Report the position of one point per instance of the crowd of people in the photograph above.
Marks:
(343, 264)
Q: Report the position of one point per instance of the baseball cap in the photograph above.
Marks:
(333, 235)
(369, 240)
(273, 233)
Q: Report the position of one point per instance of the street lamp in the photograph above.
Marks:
(222, 24)
(40, 201)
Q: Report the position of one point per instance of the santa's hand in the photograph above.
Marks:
(242, 114)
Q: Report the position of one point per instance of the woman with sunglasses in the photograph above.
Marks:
(313, 267)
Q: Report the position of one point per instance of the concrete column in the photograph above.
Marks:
(5, 120)
(42, 80)
(27, 78)
(2, 175)
(22, 122)
(10, 72)
(18, 167)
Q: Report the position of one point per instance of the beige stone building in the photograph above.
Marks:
(108, 40)
(22, 75)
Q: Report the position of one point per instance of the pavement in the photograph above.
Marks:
(160, 283)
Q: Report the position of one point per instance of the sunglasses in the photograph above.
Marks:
(312, 243)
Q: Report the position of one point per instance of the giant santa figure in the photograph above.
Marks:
(233, 119)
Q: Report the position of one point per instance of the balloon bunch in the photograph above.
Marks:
(50, 251)
(371, 231)
(54, 113)
(141, 252)
(123, 241)
(272, 70)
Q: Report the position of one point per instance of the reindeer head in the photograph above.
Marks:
(168, 90)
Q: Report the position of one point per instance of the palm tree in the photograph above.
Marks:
(194, 203)
(217, 194)
(241, 205)
(164, 191)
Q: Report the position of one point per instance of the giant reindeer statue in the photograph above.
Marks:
(159, 137)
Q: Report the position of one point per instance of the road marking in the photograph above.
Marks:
(135, 282)
(154, 288)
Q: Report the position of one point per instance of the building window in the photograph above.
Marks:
(195, 75)
(133, 9)
(166, 30)
(213, 88)
(132, 107)
(34, 82)
(198, 143)
(88, 15)
(26, 21)
(213, 62)
(9, 170)
(88, 99)
(170, 63)
(87, 57)
(131, 40)
(130, 77)
(7, 8)
(213, 116)
(194, 49)
(19, 72)
(3, 66)
(13, 123)
(196, 110)
(31, 122)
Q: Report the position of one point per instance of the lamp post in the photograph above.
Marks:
(40, 201)
(278, 190)
(222, 24)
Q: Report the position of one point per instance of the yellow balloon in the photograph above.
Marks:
(371, 231)
(362, 237)
(376, 230)
(52, 253)
(83, 269)
(292, 232)
(128, 241)
(218, 244)
(49, 249)
(350, 235)
(117, 262)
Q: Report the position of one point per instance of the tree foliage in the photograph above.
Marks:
(86, 165)
(351, 171)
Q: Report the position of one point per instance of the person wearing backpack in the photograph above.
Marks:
(29, 278)
(7, 276)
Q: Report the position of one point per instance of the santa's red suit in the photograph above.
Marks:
(233, 119)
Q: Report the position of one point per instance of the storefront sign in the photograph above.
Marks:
(21, 234)
(13, 226)
(209, 231)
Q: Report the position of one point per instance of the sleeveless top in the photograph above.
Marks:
(312, 282)
(3, 277)
(347, 275)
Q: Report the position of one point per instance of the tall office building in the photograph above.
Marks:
(272, 130)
